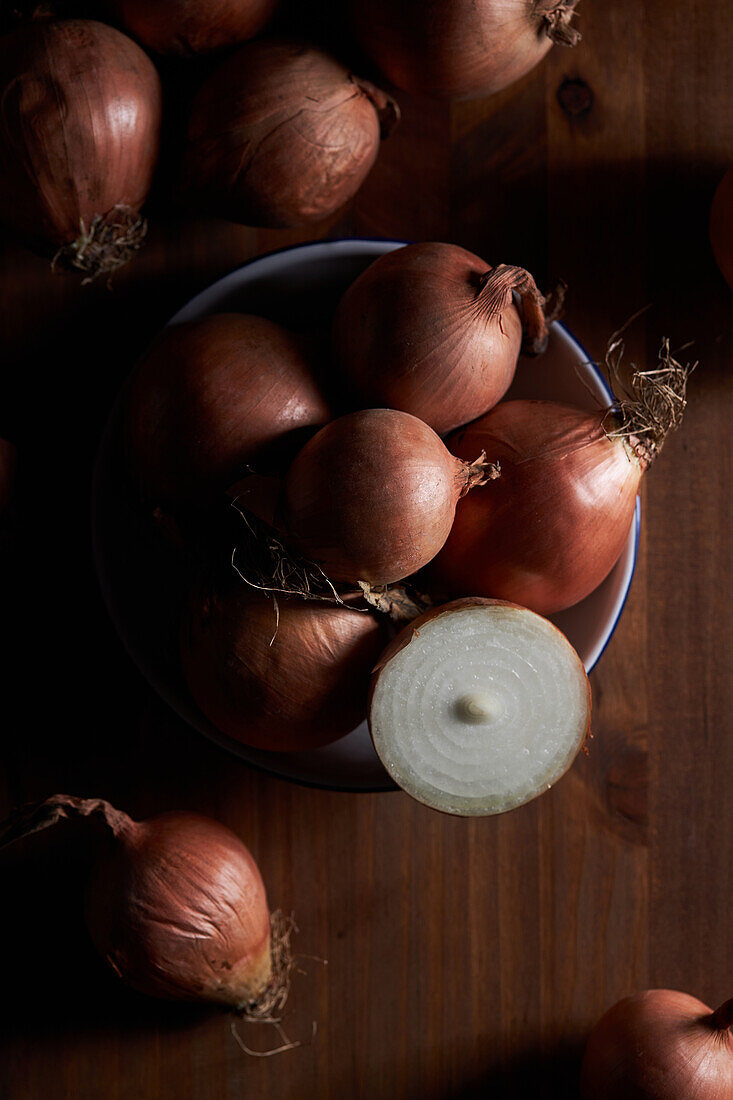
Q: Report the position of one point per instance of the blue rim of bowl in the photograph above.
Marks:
(390, 785)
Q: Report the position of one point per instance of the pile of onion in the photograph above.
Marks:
(185, 28)
(432, 329)
(551, 528)
(79, 135)
(478, 707)
(460, 47)
(212, 396)
(721, 226)
(175, 904)
(660, 1045)
(282, 134)
(285, 676)
(373, 495)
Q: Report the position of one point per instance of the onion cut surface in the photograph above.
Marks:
(478, 707)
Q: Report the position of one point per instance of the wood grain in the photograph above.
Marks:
(465, 958)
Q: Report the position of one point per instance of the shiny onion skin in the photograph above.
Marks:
(175, 904)
(281, 135)
(553, 525)
(79, 134)
(186, 27)
(211, 396)
(660, 1045)
(283, 678)
(460, 48)
(431, 329)
(372, 496)
(721, 226)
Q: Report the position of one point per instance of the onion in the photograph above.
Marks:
(373, 495)
(282, 135)
(431, 329)
(721, 226)
(213, 395)
(175, 904)
(182, 27)
(660, 1045)
(79, 133)
(551, 528)
(478, 706)
(285, 677)
(461, 47)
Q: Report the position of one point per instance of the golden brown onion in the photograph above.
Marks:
(460, 47)
(282, 134)
(372, 496)
(79, 134)
(187, 27)
(212, 396)
(431, 329)
(285, 678)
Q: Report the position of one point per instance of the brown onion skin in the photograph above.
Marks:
(658, 1045)
(185, 27)
(721, 226)
(281, 135)
(451, 48)
(177, 907)
(372, 496)
(411, 334)
(553, 525)
(212, 396)
(79, 128)
(284, 681)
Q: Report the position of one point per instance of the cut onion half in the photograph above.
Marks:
(479, 706)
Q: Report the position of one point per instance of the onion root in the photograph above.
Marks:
(108, 244)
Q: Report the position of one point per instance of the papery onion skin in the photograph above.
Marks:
(459, 48)
(282, 135)
(421, 330)
(721, 226)
(79, 129)
(213, 395)
(659, 1045)
(551, 528)
(186, 27)
(286, 678)
(372, 496)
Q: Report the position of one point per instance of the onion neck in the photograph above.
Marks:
(556, 21)
(472, 474)
(722, 1018)
(38, 816)
(387, 108)
(496, 289)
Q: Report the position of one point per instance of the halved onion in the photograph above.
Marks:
(479, 706)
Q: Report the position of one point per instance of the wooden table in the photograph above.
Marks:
(465, 958)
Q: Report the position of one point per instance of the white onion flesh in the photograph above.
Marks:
(482, 710)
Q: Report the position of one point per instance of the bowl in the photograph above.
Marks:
(143, 589)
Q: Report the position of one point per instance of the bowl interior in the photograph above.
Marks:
(143, 589)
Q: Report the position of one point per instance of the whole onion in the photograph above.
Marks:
(282, 134)
(721, 226)
(431, 329)
(175, 904)
(373, 495)
(284, 677)
(192, 26)
(551, 528)
(212, 396)
(79, 133)
(460, 47)
(660, 1045)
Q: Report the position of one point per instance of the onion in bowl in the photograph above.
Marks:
(478, 706)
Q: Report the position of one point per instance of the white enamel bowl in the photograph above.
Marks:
(144, 593)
